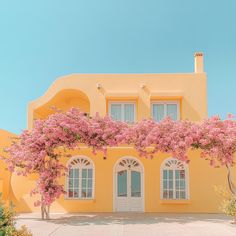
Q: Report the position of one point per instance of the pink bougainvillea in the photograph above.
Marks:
(217, 140)
(37, 150)
(175, 137)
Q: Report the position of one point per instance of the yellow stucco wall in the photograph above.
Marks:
(5, 176)
(188, 88)
(81, 91)
(202, 180)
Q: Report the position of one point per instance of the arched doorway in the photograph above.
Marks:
(128, 185)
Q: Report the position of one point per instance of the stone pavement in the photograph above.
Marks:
(129, 224)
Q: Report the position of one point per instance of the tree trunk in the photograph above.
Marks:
(48, 212)
(42, 211)
(45, 210)
(234, 222)
(230, 182)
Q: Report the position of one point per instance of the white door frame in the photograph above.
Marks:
(142, 181)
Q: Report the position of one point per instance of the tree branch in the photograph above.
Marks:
(230, 182)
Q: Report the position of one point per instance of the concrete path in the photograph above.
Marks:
(129, 224)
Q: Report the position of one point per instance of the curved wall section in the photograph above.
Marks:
(63, 100)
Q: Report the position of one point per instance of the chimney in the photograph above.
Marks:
(198, 62)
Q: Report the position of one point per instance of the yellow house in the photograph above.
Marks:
(124, 181)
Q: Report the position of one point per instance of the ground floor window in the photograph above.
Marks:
(80, 182)
(174, 179)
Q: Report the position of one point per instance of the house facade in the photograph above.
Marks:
(124, 181)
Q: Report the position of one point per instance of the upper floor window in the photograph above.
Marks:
(123, 111)
(174, 179)
(80, 182)
(162, 109)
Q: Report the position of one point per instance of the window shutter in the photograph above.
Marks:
(172, 111)
(116, 111)
(129, 112)
(158, 112)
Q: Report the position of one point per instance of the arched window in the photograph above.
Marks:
(80, 182)
(174, 179)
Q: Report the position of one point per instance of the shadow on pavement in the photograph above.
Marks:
(81, 219)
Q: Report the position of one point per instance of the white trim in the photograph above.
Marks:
(67, 177)
(186, 168)
(142, 181)
(165, 102)
(123, 103)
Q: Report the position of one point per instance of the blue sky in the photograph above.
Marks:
(42, 40)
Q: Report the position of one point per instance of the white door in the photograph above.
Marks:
(129, 185)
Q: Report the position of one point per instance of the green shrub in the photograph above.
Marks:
(229, 206)
(7, 223)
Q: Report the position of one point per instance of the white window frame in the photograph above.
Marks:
(165, 103)
(185, 168)
(123, 103)
(80, 167)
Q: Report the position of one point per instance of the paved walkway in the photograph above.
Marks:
(129, 224)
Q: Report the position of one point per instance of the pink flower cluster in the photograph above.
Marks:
(217, 140)
(35, 150)
(175, 137)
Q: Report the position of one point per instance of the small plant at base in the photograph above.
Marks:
(7, 223)
(228, 205)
